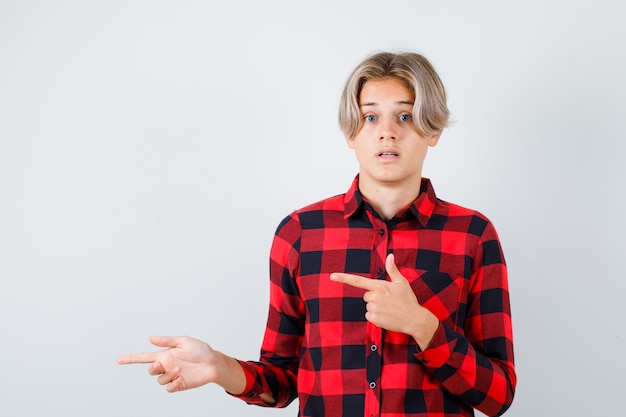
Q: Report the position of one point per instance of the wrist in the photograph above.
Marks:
(426, 328)
(229, 374)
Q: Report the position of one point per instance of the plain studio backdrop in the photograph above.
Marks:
(149, 149)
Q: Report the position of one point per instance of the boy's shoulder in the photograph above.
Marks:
(315, 215)
(461, 218)
(453, 209)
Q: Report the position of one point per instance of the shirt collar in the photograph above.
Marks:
(422, 208)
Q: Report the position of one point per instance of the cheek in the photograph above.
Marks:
(361, 150)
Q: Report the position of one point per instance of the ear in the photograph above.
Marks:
(434, 140)
(350, 142)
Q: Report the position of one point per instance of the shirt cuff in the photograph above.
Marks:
(249, 394)
(440, 348)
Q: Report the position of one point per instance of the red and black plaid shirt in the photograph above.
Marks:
(319, 347)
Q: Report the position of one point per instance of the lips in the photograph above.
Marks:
(388, 153)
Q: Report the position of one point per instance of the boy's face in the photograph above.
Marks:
(389, 149)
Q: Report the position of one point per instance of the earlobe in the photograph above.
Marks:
(434, 140)
(350, 142)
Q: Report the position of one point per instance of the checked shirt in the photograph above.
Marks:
(319, 347)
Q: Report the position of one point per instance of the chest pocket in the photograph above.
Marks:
(444, 295)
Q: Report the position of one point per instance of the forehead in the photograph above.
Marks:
(384, 89)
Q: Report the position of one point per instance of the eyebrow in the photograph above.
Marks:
(398, 102)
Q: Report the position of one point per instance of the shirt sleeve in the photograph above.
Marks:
(276, 371)
(476, 363)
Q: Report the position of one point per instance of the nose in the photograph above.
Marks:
(388, 129)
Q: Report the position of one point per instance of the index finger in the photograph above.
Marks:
(145, 357)
(354, 280)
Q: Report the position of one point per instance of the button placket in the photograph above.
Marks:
(380, 243)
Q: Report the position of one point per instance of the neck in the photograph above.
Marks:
(389, 199)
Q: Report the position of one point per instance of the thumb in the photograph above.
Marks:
(392, 269)
(165, 341)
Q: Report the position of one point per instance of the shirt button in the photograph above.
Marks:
(379, 271)
(372, 385)
(381, 232)
(373, 348)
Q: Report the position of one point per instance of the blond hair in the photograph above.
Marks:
(430, 112)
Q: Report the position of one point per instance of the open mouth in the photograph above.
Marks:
(387, 154)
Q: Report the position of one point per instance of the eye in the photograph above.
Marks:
(406, 117)
(370, 118)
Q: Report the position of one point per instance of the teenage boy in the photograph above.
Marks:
(384, 301)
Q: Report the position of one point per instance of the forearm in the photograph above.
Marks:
(230, 375)
(423, 327)
(233, 378)
(269, 385)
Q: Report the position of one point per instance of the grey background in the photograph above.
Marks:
(148, 149)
